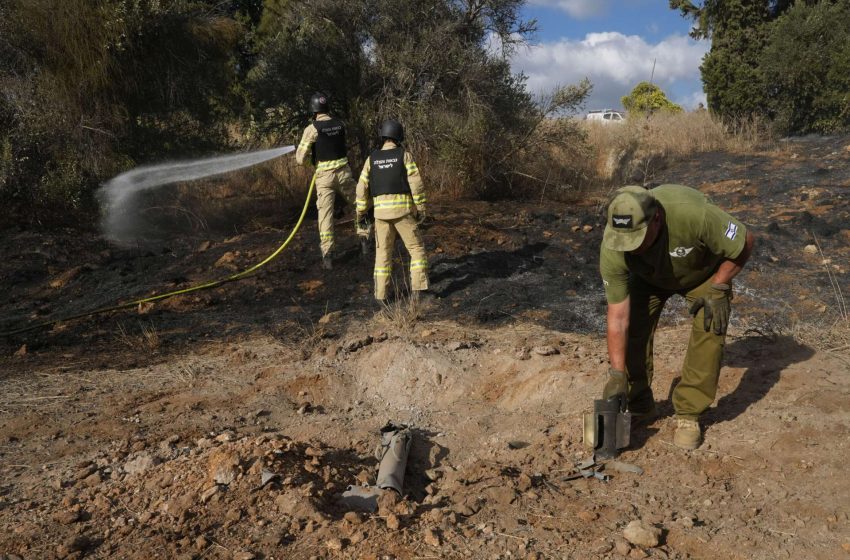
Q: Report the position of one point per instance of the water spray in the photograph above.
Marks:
(118, 195)
(121, 189)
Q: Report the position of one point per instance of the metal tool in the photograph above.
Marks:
(392, 452)
(607, 428)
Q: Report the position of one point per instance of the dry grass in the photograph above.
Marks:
(832, 333)
(147, 340)
(401, 314)
(641, 143)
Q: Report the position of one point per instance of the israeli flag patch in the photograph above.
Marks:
(731, 230)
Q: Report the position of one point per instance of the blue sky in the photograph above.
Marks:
(613, 43)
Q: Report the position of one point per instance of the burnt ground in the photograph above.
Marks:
(113, 427)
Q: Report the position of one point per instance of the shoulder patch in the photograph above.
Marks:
(731, 230)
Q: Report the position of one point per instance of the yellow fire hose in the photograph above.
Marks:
(204, 286)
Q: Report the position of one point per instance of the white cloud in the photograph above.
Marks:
(614, 63)
(579, 9)
(692, 100)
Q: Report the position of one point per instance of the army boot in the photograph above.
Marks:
(643, 415)
(688, 434)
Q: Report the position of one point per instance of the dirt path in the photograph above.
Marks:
(145, 435)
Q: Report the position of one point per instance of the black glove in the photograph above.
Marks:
(615, 385)
(718, 307)
(362, 221)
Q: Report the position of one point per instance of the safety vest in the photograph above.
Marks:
(330, 144)
(387, 173)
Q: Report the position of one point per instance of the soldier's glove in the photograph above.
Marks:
(718, 307)
(615, 385)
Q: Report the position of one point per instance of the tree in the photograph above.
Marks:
(807, 64)
(648, 98)
(731, 73)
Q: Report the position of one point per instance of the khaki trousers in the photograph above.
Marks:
(328, 183)
(385, 236)
(698, 386)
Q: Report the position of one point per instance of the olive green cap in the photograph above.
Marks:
(628, 215)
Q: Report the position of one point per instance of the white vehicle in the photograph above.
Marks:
(606, 116)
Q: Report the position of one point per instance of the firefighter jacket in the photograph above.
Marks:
(323, 144)
(392, 179)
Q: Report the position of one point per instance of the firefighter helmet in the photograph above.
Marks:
(391, 128)
(319, 103)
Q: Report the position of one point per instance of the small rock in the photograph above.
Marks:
(92, 480)
(305, 408)
(334, 544)
(433, 474)
(234, 514)
(140, 464)
(357, 344)
(574, 229)
(68, 516)
(642, 534)
(546, 350)
(209, 493)
(393, 522)
(387, 502)
(686, 520)
(522, 354)
(353, 517)
(228, 260)
(78, 543)
(225, 437)
(523, 482)
(638, 553)
(244, 555)
(811, 249)
(203, 246)
(587, 228)
(621, 546)
(431, 537)
(328, 318)
(426, 333)
(21, 352)
(587, 516)
(85, 471)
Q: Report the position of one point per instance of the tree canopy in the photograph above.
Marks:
(782, 59)
(92, 88)
(648, 98)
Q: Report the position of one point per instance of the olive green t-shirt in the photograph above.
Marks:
(697, 237)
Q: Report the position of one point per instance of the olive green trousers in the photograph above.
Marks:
(700, 373)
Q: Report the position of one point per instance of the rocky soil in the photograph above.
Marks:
(227, 424)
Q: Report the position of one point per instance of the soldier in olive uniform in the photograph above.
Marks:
(658, 243)
(390, 182)
(323, 145)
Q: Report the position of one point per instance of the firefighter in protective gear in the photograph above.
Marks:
(391, 181)
(323, 145)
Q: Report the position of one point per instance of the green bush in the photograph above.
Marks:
(647, 98)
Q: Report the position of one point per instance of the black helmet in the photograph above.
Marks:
(391, 128)
(319, 103)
